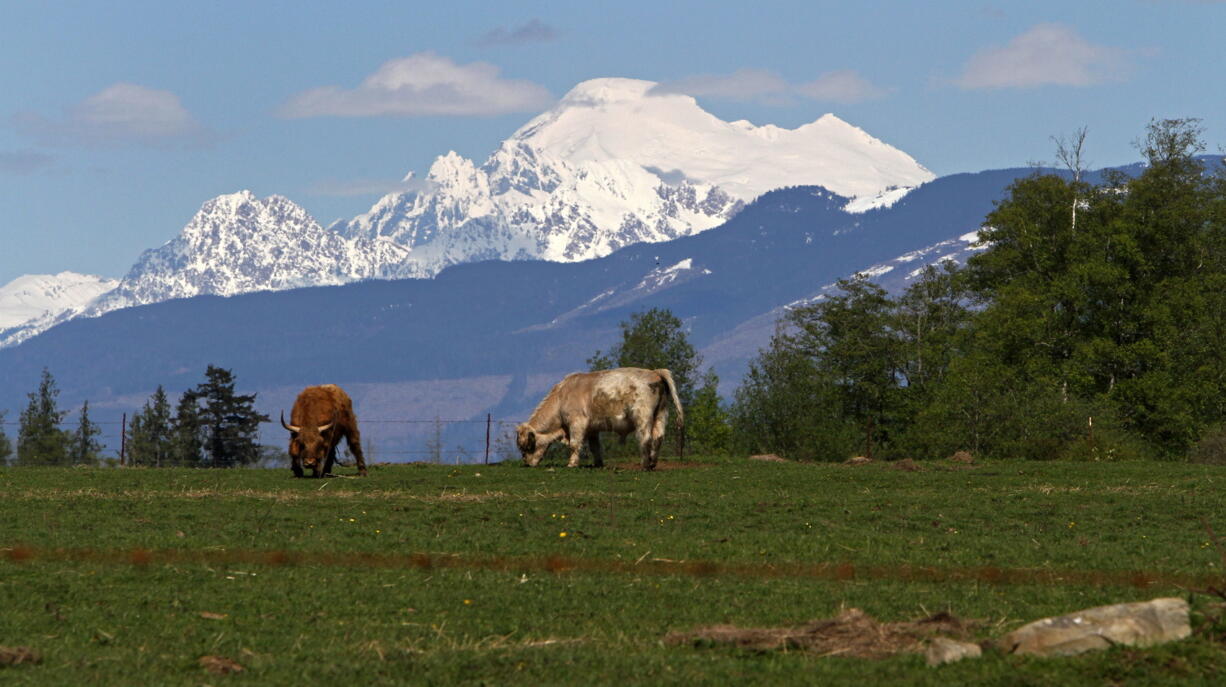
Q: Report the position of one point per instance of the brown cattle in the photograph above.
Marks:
(584, 404)
(321, 416)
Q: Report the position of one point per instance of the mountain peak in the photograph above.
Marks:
(606, 90)
(233, 199)
(616, 119)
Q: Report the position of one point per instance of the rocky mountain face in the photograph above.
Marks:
(612, 164)
(238, 243)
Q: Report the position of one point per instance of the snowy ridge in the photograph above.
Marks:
(656, 279)
(612, 165)
(31, 303)
(238, 243)
(755, 333)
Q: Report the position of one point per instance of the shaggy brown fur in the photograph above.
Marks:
(584, 404)
(321, 416)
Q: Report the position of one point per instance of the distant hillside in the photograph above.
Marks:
(491, 336)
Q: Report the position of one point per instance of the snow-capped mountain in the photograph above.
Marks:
(610, 165)
(238, 243)
(30, 302)
(613, 164)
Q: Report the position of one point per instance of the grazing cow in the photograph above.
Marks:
(321, 416)
(584, 404)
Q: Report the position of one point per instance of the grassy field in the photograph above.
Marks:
(555, 576)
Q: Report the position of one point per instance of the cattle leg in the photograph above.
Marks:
(354, 439)
(330, 461)
(657, 434)
(574, 439)
(295, 465)
(593, 443)
(645, 444)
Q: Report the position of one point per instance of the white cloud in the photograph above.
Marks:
(844, 86)
(1048, 54)
(535, 31)
(422, 85)
(121, 114)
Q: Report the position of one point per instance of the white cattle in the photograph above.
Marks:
(584, 404)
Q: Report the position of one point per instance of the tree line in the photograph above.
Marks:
(1091, 325)
(211, 426)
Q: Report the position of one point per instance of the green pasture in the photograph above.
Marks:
(370, 620)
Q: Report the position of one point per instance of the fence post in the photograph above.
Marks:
(488, 419)
(123, 439)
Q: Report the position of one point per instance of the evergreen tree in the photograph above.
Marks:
(229, 420)
(149, 436)
(186, 443)
(40, 441)
(84, 447)
(6, 446)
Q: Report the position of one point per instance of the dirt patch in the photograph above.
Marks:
(220, 665)
(769, 458)
(17, 655)
(852, 633)
(906, 465)
(963, 457)
(446, 496)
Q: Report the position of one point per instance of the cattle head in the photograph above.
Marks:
(531, 449)
(309, 446)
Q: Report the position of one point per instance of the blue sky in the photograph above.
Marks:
(117, 120)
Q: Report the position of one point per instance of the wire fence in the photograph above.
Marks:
(384, 440)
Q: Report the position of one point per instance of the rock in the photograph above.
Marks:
(943, 650)
(858, 460)
(769, 458)
(962, 457)
(1143, 623)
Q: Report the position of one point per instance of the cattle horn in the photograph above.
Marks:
(324, 428)
(289, 427)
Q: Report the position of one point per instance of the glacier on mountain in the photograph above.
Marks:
(611, 164)
(31, 303)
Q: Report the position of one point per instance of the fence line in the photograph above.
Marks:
(557, 564)
(479, 445)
